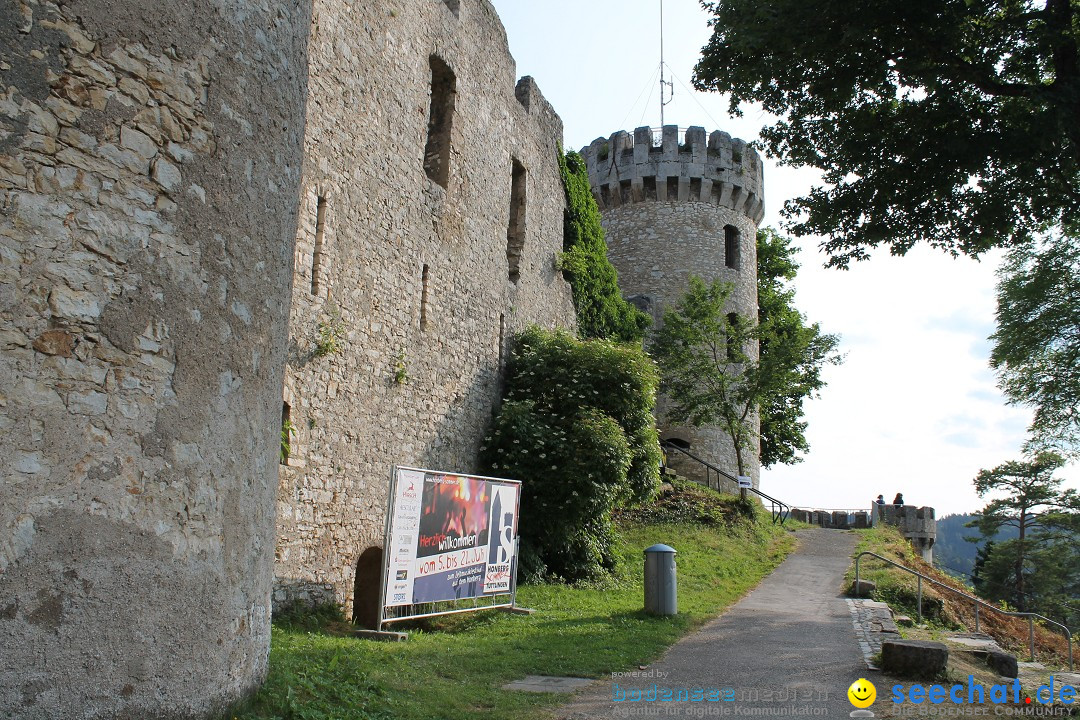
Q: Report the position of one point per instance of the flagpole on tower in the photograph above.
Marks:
(670, 85)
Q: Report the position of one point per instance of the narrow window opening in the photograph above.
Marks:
(502, 336)
(648, 184)
(732, 344)
(515, 231)
(440, 121)
(731, 247)
(424, 299)
(287, 432)
(673, 188)
(605, 195)
(316, 255)
(625, 191)
(695, 188)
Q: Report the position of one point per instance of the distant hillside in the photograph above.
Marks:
(952, 553)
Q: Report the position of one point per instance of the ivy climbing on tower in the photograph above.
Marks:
(601, 310)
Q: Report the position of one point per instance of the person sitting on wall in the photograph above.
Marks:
(880, 500)
(898, 500)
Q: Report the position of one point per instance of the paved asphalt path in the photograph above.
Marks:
(787, 649)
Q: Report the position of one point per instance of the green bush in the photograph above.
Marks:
(576, 427)
(601, 310)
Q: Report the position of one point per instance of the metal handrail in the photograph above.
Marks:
(1030, 616)
(779, 509)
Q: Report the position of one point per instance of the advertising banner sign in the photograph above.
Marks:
(451, 537)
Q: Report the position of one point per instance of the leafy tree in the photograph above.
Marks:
(1033, 503)
(1037, 344)
(576, 427)
(718, 367)
(705, 368)
(601, 310)
(978, 571)
(955, 549)
(952, 122)
(796, 351)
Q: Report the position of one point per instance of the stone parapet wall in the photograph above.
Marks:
(916, 524)
(150, 165)
(419, 271)
(684, 166)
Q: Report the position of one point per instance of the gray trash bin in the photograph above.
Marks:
(660, 583)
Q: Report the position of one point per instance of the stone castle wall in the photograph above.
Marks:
(150, 164)
(418, 268)
(918, 525)
(665, 208)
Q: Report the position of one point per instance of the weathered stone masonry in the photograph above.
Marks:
(158, 184)
(416, 251)
(673, 209)
(150, 163)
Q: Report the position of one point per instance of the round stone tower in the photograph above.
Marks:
(675, 205)
(150, 159)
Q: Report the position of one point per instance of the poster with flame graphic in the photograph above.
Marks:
(452, 537)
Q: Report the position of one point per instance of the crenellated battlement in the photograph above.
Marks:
(667, 164)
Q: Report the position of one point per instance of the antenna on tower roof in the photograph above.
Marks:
(668, 83)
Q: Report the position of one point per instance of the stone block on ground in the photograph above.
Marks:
(1002, 663)
(922, 659)
(862, 588)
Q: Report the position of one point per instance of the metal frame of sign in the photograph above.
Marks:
(398, 613)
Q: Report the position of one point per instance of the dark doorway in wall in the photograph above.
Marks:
(440, 121)
(678, 442)
(366, 588)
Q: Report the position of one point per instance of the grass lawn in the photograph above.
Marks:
(454, 666)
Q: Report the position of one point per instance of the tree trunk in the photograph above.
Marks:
(739, 462)
(1021, 549)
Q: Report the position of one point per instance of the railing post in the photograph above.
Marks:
(1031, 637)
(858, 585)
(976, 616)
(920, 598)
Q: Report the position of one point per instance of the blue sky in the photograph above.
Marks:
(914, 408)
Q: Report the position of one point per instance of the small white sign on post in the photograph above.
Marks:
(745, 481)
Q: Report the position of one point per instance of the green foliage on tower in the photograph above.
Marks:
(601, 310)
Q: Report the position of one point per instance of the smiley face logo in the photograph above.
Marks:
(862, 693)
